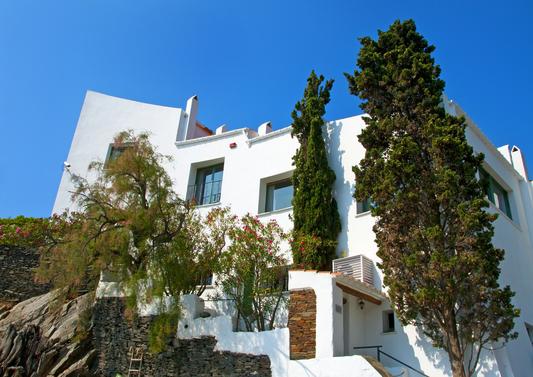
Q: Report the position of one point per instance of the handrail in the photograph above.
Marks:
(401, 362)
(367, 347)
(379, 352)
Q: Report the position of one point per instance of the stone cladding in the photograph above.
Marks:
(302, 323)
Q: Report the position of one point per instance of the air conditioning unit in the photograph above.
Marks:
(358, 267)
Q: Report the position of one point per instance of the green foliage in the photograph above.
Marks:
(163, 328)
(132, 224)
(432, 230)
(252, 267)
(83, 327)
(308, 250)
(315, 214)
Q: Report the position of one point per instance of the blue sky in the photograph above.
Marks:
(246, 60)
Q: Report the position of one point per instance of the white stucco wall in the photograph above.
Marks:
(101, 118)
(274, 343)
(255, 159)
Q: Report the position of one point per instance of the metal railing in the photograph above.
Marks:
(379, 352)
(204, 193)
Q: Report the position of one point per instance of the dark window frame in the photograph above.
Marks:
(270, 188)
(206, 188)
(115, 150)
(364, 206)
(496, 193)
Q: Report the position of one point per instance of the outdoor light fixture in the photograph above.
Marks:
(233, 145)
(361, 303)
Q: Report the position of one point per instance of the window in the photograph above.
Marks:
(364, 206)
(283, 278)
(208, 184)
(280, 279)
(278, 195)
(388, 321)
(205, 280)
(496, 194)
(115, 151)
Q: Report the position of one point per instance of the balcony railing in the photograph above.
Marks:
(358, 267)
(205, 193)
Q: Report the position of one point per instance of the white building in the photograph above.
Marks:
(249, 171)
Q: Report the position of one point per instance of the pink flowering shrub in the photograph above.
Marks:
(21, 231)
(252, 270)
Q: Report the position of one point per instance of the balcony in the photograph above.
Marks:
(357, 267)
(204, 193)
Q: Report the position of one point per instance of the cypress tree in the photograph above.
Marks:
(433, 232)
(315, 215)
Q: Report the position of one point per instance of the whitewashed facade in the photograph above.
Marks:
(247, 170)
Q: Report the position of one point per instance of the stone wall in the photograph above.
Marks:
(113, 335)
(16, 271)
(302, 323)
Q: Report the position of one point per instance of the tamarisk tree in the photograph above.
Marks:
(130, 223)
(433, 232)
(315, 215)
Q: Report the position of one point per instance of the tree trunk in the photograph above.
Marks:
(458, 369)
(454, 348)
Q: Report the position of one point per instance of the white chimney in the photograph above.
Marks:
(221, 129)
(191, 111)
(519, 161)
(265, 128)
(506, 152)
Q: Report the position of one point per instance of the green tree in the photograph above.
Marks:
(253, 270)
(132, 224)
(433, 232)
(315, 216)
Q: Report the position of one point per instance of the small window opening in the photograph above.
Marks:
(388, 321)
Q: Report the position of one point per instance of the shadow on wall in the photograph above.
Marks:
(437, 356)
(399, 346)
(487, 365)
(344, 189)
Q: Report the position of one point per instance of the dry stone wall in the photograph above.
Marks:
(302, 324)
(16, 272)
(113, 335)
